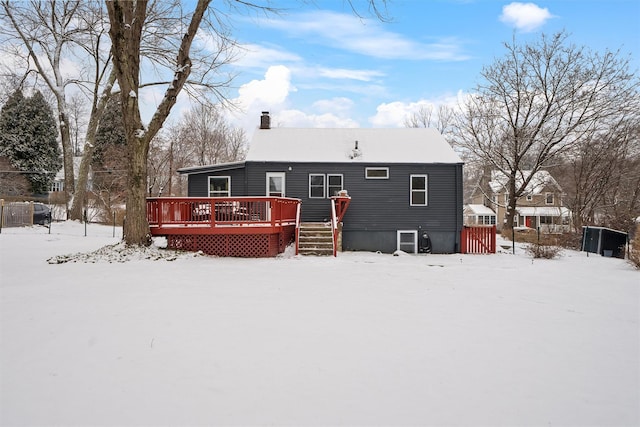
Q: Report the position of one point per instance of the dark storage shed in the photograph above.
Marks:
(604, 241)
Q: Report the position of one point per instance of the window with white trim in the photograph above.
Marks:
(376, 173)
(487, 219)
(418, 192)
(334, 184)
(548, 198)
(407, 241)
(219, 186)
(316, 186)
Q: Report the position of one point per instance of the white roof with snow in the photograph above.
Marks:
(479, 209)
(543, 211)
(331, 145)
(540, 180)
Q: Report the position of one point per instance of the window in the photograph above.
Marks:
(334, 185)
(506, 198)
(546, 220)
(319, 182)
(529, 197)
(275, 184)
(408, 241)
(548, 198)
(487, 219)
(219, 186)
(316, 186)
(57, 186)
(418, 190)
(376, 173)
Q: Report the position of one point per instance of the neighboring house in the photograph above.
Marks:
(479, 215)
(405, 184)
(58, 182)
(540, 206)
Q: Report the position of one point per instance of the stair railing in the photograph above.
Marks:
(334, 227)
(298, 229)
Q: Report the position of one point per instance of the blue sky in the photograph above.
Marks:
(318, 65)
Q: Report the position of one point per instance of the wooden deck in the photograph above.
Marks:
(225, 226)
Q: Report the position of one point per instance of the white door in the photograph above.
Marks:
(275, 184)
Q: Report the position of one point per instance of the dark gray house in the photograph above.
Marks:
(405, 183)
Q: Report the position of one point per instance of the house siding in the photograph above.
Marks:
(379, 207)
(198, 183)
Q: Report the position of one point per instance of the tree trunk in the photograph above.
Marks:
(126, 19)
(67, 156)
(136, 226)
(79, 201)
(511, 205)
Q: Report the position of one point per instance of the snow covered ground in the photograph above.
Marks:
(360, 339)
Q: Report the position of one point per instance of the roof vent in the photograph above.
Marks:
(355, 153)
(265, 120)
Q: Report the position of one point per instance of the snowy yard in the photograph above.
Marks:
(367, 339)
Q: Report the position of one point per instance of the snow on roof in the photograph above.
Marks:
(543, 211)
(76, 167)
(366, 145)
(538, 183)
(480, 209)
(218, 166)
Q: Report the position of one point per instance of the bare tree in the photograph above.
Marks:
(54, 32)
(601, 176)
(46, 30)
(442, 119)
(77, 121)
(537, 102)
(127, 19)
(209, 138)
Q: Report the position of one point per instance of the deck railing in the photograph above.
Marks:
(164, 213)
(339, 205)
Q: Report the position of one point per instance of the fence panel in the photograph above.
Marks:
(479, 239)
(17, 214)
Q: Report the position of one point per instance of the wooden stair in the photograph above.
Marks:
(315, 238)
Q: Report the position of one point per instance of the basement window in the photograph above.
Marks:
(408, 241)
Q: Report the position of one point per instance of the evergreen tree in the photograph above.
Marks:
(28, 138)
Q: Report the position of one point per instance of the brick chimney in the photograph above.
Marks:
(265, 120)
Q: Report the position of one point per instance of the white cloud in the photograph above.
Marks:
(267, 94)
(340, 105)
(271, 91)
(364, 37)
(394, 114)
(297, 118)
(342, 73)
(525, 17)
(258, 56)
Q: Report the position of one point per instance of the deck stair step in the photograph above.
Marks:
(315, 238)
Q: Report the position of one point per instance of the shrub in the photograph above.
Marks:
(538, 250)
